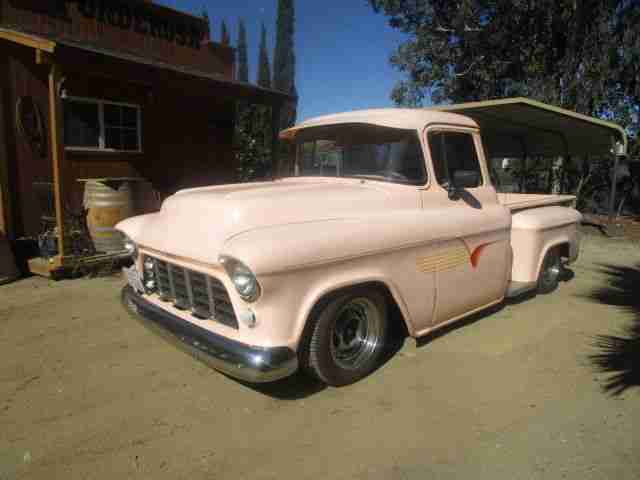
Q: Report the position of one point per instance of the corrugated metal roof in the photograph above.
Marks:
(510, 127)
(517, 126)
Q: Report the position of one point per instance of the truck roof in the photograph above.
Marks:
(403, 118)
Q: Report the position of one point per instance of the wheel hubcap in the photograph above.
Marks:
(356, 333)
(551, 271)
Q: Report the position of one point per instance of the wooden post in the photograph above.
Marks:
(6, 209)
(275, 142)
(614, 184)
(57, 155)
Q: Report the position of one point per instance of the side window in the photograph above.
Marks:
(455, 151)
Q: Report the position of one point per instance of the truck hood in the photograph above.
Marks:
(196, 223)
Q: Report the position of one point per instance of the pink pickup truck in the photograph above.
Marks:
(388, 210)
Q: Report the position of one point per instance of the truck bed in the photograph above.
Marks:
(522, 201)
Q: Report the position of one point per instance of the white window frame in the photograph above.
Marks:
(102, 135)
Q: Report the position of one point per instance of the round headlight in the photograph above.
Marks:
(242, 278)
(131, 247)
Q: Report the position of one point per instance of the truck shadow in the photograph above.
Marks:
(301, 385)
(295, 387)
(619, 354)
(435, 334)
(567, 276)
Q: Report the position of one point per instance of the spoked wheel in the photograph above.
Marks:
(356, 333)
(550, 272)
(347, 337)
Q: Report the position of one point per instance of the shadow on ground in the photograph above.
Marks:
(303, 384)
(619, 355)
(567, 276)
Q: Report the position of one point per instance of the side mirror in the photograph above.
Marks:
(461, 179)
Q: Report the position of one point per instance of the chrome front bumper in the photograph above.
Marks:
(244, 362)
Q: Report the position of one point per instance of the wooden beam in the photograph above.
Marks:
(57, 153)
(27, 40)
(43, 57)
(6, 209)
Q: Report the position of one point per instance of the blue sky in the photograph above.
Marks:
(342, 48)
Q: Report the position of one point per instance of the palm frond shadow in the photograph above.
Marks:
(619, 355)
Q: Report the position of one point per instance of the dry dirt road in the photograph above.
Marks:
(86, 392)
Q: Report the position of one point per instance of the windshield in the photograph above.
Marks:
(361, 151)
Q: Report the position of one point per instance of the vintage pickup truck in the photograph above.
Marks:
(388, 210)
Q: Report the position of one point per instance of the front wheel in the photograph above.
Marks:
(348, 337)
(550, 272)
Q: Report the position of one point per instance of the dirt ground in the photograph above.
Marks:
(86, 392)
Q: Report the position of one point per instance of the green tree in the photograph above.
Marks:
(253, 126)
(224, 34)
(284, 60)
(253, 147)
(205, 16)
(264, 69)
(284, 63)
(582, 55)
(243, 61)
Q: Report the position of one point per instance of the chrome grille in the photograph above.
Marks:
(205, 296)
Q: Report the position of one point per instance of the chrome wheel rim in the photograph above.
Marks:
(356, 333)
(551, 270)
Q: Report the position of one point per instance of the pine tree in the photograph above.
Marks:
(264, 69)
(224, 34)
(284, 60)
(283, 57)
(243, 62)
(205, 17)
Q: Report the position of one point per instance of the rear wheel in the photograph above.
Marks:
(347, 337)
(550, 272)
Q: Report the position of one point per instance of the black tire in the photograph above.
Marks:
(550, 272)
(327, 356)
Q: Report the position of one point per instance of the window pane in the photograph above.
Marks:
(129, 117)
(81, 126)
(112, 115)
(113, 138)
(129, 140)
(454, 150)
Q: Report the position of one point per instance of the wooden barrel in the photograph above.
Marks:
(8, 269)
(108, 203)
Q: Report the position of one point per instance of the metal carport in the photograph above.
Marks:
(521, 127)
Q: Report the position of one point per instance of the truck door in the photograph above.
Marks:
(472, 258)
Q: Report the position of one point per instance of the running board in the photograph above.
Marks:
(516, 289)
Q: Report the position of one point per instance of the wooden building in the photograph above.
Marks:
(110, 89)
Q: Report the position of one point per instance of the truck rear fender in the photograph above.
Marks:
(535, 232)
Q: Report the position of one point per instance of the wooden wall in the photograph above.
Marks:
(188, 122)
(187, 133)
(134, 26)
(26, 164)
(182, 145)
